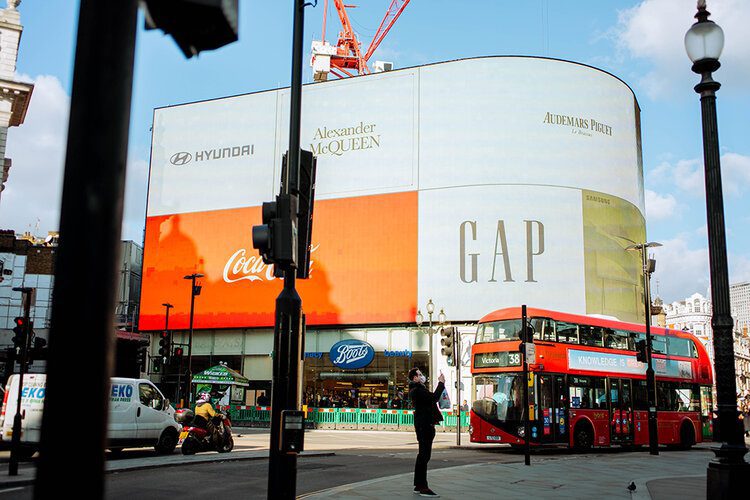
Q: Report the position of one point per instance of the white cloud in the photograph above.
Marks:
(689, 176)
(32, 195)
(680, 270)
(37, 148)
(659, 207)
(654, 30)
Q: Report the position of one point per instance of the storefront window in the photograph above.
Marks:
(382, 384)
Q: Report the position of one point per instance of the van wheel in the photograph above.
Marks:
(583, 438)
(687, 436)
(167, 442)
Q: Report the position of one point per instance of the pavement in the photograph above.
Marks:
(671, 475)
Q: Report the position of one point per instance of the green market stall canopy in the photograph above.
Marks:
(221, 375)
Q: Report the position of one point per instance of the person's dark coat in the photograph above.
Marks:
(424, 403)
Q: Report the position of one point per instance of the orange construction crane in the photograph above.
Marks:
(346, 57)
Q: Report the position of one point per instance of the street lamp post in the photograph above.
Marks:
(169, 306)
(194, 290)
(441, 320)
(727, 472)
(653, 437)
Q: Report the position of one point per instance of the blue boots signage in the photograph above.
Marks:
(351, 354)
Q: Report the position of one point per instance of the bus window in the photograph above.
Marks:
(592, 335)
(659, 344)
(544, 329)
(677, 346)
(587, 392)
(499, 331)
(567, 332)
(693, 349)
(616, 339)
(499, 397)
(706, 405)
(640, 395)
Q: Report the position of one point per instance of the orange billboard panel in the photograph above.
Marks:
(363, 271)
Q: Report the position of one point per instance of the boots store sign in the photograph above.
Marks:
(425, 195)
(351, 354)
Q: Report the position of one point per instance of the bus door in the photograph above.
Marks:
(552, 409)
(621, 411)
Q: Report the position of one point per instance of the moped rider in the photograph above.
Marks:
(204, 412)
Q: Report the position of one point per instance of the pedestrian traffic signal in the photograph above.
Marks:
(19, 333)
(641, 353)
(164, 345)
(178, 352)
(195, 25)
(448, 340)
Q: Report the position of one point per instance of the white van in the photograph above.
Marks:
(139, 415)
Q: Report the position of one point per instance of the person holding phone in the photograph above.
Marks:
(426, 415)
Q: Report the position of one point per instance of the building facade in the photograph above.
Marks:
(431, 186)
(14, 95)
(694, 315)
(739, 299)
(28, 261)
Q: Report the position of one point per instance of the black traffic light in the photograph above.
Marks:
(19, 333)
(306, 193)
(276, 238)
(448, 341)
(164, 345)
(641, 354)
(39, 350)
(140, 357)
(195, 25)
(177, 356)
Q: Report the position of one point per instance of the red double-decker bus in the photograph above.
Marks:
(586, 388)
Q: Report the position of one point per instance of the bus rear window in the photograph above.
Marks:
(495, 331)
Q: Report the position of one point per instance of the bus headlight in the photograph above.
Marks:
(471, 429)
(521, 431)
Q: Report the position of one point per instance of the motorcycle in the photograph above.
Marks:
(194, 438)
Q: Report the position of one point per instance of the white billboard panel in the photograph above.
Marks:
(213, 155)
(522, 120)
(482, 248)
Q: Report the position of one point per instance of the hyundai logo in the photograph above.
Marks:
(181, 158)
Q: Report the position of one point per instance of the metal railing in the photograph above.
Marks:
(346, 418)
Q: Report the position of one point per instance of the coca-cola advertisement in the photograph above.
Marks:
(363, 270)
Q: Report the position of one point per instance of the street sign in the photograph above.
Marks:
(530, 350)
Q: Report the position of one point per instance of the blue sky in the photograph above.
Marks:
(640, 42)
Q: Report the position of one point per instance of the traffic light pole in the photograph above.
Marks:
(526, 421)
(653, 437)
(457, 360)
(16, 440)
(287, 361)
(90, 230)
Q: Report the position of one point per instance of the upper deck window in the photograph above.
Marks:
(496, 331)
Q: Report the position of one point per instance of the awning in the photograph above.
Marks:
(220, 374)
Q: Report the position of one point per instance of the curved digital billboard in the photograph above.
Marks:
(479, 183)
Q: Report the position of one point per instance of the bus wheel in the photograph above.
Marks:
(687, 436)
(583, 438)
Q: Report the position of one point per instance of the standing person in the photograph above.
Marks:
(426, 415)
(746, 418)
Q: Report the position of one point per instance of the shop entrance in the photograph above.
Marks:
(382, 384)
